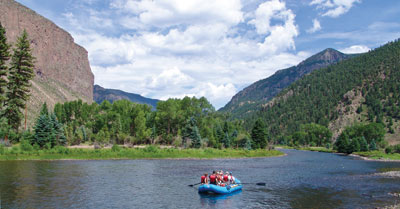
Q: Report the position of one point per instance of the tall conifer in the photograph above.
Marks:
(4, 57)
(21, 72)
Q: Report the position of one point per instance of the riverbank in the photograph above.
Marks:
(377, 155)
(149, 152)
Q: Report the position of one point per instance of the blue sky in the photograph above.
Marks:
(213, 48)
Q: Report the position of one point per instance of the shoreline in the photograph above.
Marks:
(373, 159)
(72, 154)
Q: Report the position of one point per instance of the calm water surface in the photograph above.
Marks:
(299, 180)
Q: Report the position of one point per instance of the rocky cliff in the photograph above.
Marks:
(62, 67)
(100, 94)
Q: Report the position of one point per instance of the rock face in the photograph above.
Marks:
(62, 67)
(100, 94)
(252, 97)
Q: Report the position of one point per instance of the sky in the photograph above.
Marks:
(213, 48)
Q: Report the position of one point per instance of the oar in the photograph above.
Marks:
(191, 185)
(259, 184)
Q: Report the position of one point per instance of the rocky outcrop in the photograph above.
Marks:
(62, 67)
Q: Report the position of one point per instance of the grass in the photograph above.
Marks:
(314, 149)
(150, 152)
(379, 155)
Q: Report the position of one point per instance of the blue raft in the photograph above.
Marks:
(211, 188)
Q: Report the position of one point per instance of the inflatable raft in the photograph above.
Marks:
(211, 188)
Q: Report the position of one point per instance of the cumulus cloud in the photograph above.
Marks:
(334, 8)
(316, 27)
(355, 49)
(164, 49)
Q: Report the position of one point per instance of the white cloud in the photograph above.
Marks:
(163, 49)
(316, 27)
(334, 8)
(355, 49)
(280, 37)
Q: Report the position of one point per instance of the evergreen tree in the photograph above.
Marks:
(44, 110)
(363, 144)
(4, 57)
(57, 131)
(372, 145)
(259, 135)
(196, 138)
(21, 72)
(226, 141)
(42, 131)
(342, 143)
(354, 146)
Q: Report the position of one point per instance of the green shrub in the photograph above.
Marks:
(151, 149)
(2, 149)
(115, 148)
(389, 150)
(14, 150)
(62, 150)
(26, 146)
(396, 148)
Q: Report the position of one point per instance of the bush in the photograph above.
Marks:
(396, 148)
(115, 148)
(2, 149)
(389, 150)
(61, 150)
(151, 149)
(26, 146)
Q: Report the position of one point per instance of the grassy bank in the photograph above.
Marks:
(150, 152)
(314, 149)
(379, 155)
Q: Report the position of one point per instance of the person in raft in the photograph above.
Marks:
(204, 179)
(213, 178)
(231, 178)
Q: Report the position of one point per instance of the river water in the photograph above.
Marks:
(299, 180)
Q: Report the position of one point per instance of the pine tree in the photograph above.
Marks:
(259, 135)
(44, 110)
(21, 72)
(196, 138)
(42, 131)
(363, 144)
(4, 57)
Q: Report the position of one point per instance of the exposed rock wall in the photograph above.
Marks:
(62, 70)
(57, 56)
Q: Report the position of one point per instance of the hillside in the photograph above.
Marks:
(362, 89)
(251, 98)
(100, 94)
(62, 67)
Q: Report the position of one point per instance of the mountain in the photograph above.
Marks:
(365, 88)
(62, 67)
(100, 94)
(250, 98)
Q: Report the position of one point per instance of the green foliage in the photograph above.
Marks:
(259, 135)
(20, 74)
(4, 57)
(2, 149)
(26, 146)
(360, 137)
(115, 148)
(48, 131)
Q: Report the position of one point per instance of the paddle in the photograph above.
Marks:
(191, 185)
(259, 184)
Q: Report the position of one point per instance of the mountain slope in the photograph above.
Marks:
(100, 94)
(250, 98)
(62, 67)
(362, 89)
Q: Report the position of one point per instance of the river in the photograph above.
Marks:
(301, 179)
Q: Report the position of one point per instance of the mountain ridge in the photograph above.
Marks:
(100, 94)
(265, 89)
